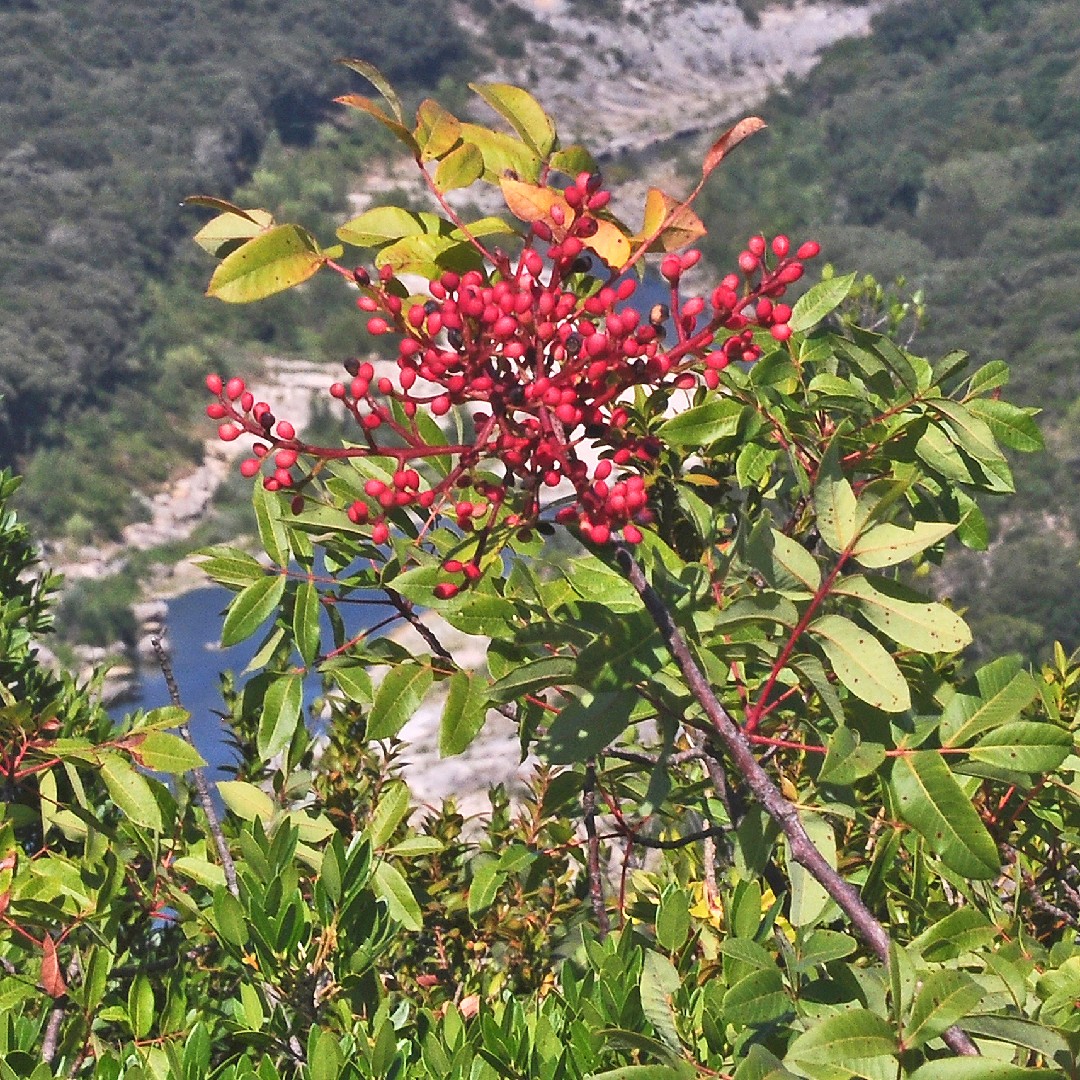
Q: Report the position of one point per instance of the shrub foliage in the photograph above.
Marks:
(777, 829)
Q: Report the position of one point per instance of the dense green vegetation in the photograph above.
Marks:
(945, 149)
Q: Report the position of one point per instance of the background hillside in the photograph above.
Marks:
(111, 111)
(945, 148)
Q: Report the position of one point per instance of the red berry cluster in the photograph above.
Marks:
(541, 352)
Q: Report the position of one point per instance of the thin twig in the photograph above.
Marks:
(198, 775)
(50, 1040)
(761, 785)
(596, 881)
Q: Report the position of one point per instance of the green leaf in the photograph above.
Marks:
(793, 558)
(275, 260)
(818, 301)
(855, 1041)
(945, 997)
(205, 873)
(460, 168)
(228, 566)
(1024, 746)
(306, 612)
(246, 801)
(393, 805)
(399, 696)
(251, 607)
(980, 1068)
(961, 931)
(272, 532)
(974, 436)
(502, 153)
(481, 614)
(969, 715)
(437, 130)
(167, 753)
(640, 1072)
(417, 845)
(989, 377)
(326, 1059)
(390, 886)
(861, 663)
(849, 759)
(585, 726)
(140, 1006)
(929, 799)
(888, 544)
(486, 879)
(463, 714)
(131, 792)
(702, 425)
(252, 1006)
(757, 998)
(808, 898)
(429, 255)
(1022, 1032)
(930, 628)
(1010, 424)
(572, 160)
(280, 714)
(229, 918)
(353, 681)
(838, 517)
(673, 918)
(533, 676)
(659, 983)
(384, 224)
(522, 112)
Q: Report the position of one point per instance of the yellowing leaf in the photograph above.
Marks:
(437, 131)
(533, 202)
(224, 233)
(611, 244)
(274, 260)
(358, 101)
(683, 229)
(522, 111)
(460, 168)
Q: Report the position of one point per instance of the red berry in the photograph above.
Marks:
(808, 250)
(446, 590)
(671, 267)
(781, 245)
(234, 388)
(748, 262)
(285, 430)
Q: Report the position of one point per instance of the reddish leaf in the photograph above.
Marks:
(358, 101)
(52, 982)
(729, 140)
